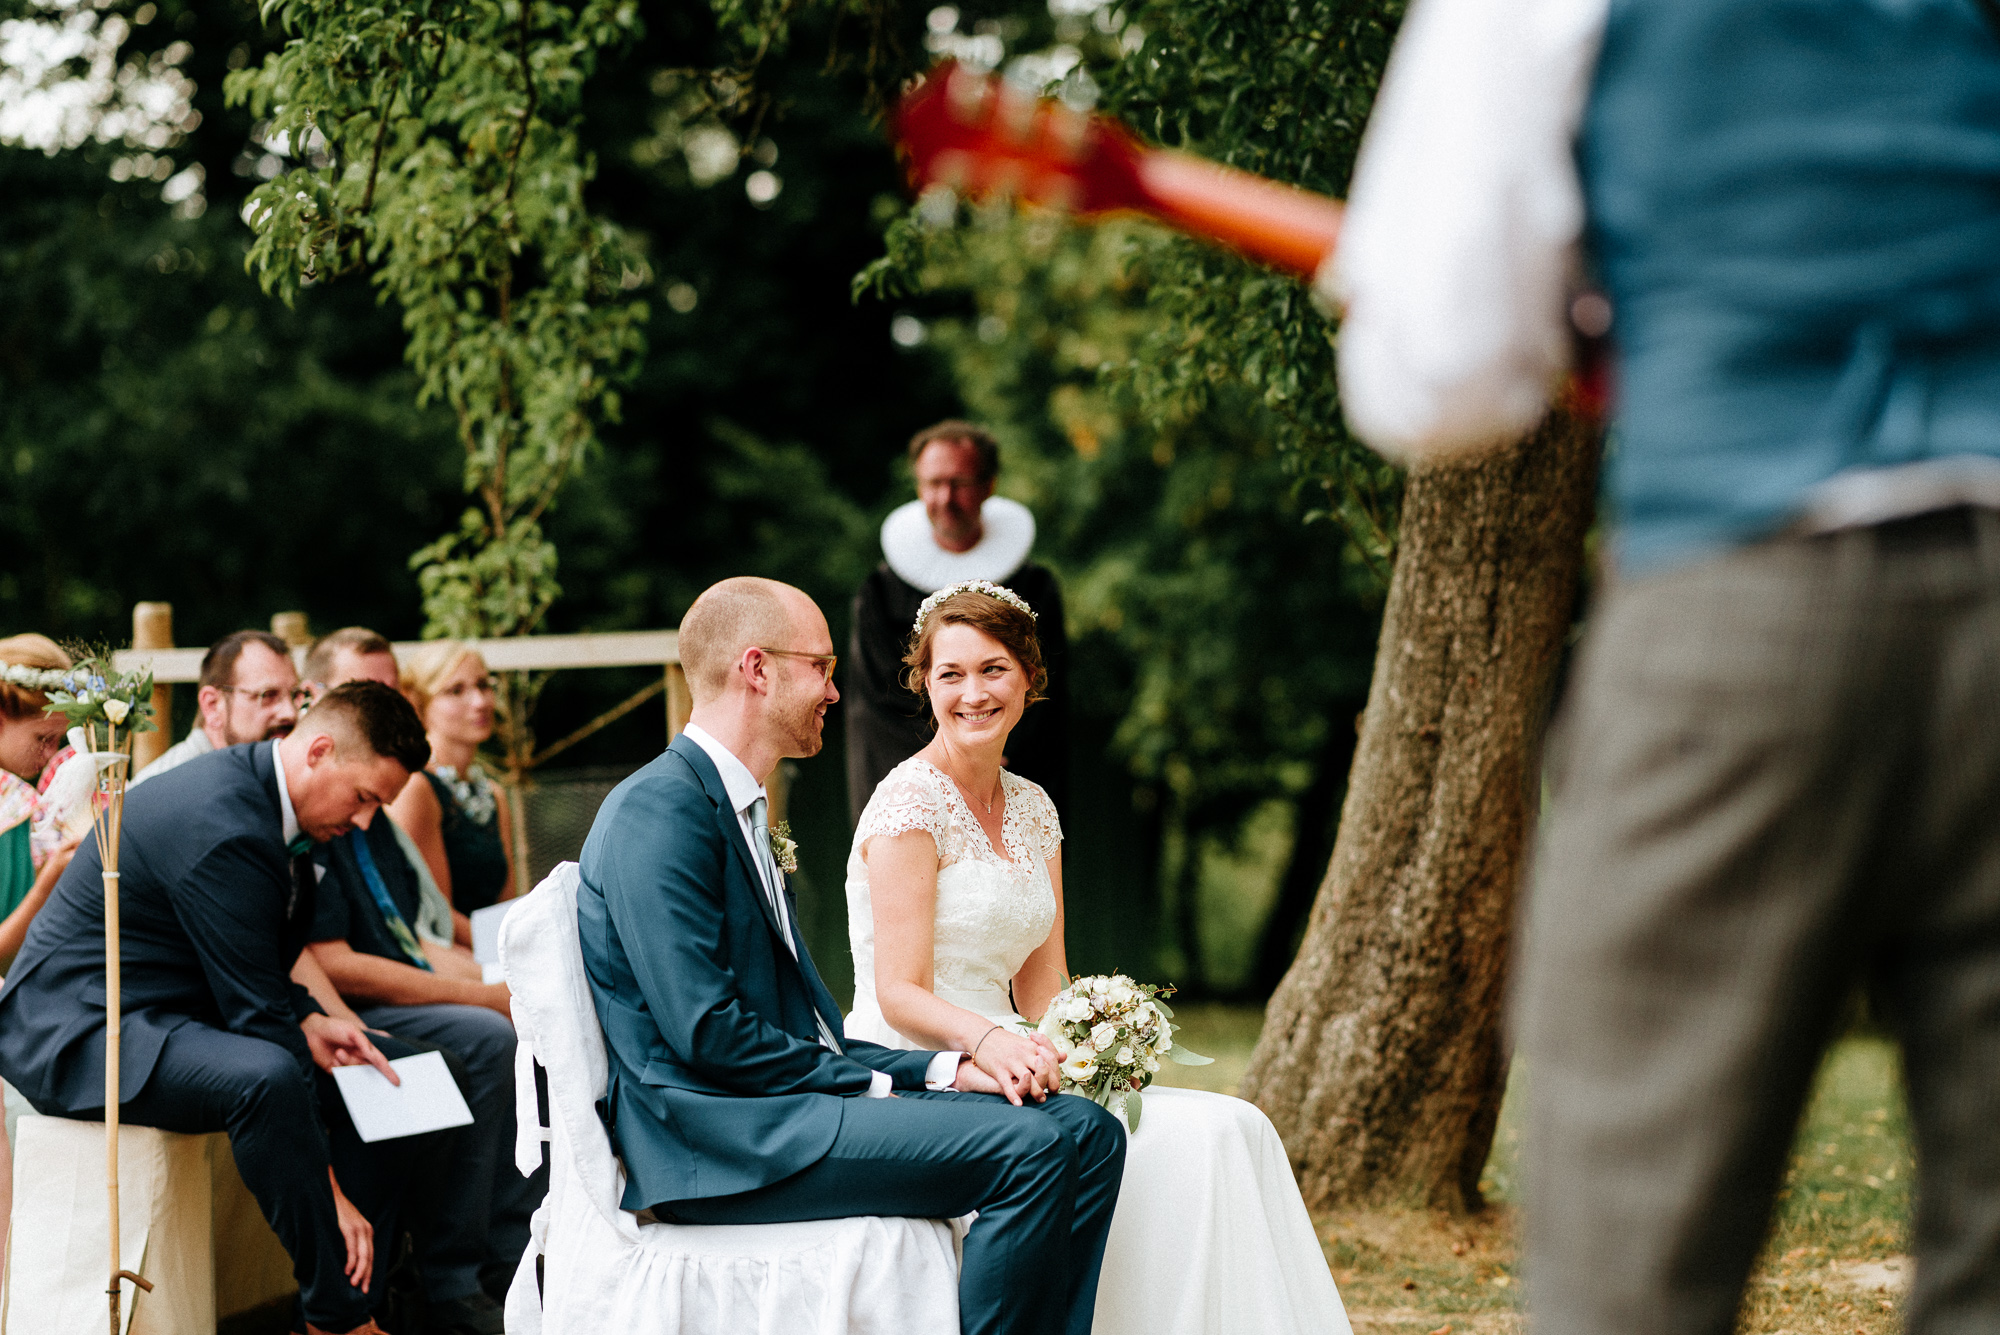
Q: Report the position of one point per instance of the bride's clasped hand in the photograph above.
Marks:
(955, 912)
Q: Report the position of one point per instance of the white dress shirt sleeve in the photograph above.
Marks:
(938, 1075)
(1458, 256)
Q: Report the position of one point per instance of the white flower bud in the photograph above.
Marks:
(116, 710)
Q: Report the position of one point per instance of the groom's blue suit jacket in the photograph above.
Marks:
(718, 1082)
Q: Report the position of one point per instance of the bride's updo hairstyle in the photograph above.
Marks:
(1014, 627)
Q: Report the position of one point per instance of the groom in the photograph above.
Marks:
(733, 1097)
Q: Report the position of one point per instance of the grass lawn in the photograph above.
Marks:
(1836, 1260)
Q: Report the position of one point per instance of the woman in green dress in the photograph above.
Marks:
(29, 739)
(457, 817)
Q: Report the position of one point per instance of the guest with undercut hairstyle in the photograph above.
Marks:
(249, 692)
(216, 895)
(355, 653)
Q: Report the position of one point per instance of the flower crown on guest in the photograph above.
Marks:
(987, 587)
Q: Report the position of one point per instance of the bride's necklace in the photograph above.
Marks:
(969, 796)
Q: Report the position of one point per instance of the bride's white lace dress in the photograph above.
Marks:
(1210, 1236)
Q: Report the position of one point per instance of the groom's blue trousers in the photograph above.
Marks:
(1043, 1177)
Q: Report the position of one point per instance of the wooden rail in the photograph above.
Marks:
(528, 653)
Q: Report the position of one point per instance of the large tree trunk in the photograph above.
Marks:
(1381, 1061)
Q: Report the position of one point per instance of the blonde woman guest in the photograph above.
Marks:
(29, 739)
(457, 818)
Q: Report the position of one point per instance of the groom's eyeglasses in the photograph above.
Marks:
(824, 662)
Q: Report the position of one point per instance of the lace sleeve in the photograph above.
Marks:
(903, 802)
(1039, 820)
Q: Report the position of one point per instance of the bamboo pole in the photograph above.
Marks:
(153, 628)
(109, 818)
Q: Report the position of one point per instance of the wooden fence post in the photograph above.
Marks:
(294, 628)
(153, 628)
(680, 703)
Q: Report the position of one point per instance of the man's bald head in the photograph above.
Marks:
(737, 614)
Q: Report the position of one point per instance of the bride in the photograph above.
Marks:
(955, 912)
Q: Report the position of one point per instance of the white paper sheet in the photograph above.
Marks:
(427, 1100)
(486, 931)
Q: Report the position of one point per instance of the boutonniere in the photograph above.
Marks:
(783, 850)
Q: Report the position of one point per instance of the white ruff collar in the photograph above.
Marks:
(916, 558)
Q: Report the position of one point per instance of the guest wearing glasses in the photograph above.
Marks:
(249, 693)
(458, 819)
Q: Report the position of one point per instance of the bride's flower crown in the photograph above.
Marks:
(987, 587)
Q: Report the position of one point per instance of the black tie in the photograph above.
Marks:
(299, 904)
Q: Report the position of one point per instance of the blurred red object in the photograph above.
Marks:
(977, 136)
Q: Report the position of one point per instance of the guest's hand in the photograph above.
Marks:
(343, 1043)
(359, 1235)
(498, 996)
(1020, 1065)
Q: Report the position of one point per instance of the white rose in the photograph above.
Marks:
(1152, 1064)
(1123, 1056)
(1076, 1008)
(1079, 1067)
(1087, 1051)
(1120, 993)
(1104, 1035)
(116, 710)
(1166, 1038)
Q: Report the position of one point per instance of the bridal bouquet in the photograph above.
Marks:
(1111, 1034)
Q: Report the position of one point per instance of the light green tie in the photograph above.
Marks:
(760, 850)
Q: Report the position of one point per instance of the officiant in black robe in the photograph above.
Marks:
(955, 530)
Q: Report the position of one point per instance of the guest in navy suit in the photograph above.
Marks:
(216, 894)
(733, 1094)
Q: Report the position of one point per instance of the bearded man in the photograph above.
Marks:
(955, 530)
(249, 692)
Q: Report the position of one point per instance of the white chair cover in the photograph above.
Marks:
(59, 1241)
(604, 1271)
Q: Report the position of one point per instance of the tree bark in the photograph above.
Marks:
(1381, 1062)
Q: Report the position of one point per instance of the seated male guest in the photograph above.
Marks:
(364, 936)
(216, 894)
(734, 1097)
(249, 692)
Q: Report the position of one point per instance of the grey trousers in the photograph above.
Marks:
(1777, 773)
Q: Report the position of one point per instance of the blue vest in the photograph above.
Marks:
(1795, 209)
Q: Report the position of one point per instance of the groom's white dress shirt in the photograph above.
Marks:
(744, 792)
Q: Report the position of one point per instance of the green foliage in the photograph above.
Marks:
(439, 149)
(1283, 91)
(93, 695)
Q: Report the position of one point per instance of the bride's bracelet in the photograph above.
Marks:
(982, 1042)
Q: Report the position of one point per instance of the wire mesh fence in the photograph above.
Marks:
(561, 804)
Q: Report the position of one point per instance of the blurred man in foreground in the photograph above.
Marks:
(1777, 771)
(249, 693)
